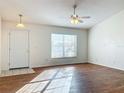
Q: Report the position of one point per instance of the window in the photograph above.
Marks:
(63, 45)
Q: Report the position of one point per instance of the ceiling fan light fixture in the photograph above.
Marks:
(20, 24)
(74, 21)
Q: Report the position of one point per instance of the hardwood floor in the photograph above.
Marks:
(86, 78)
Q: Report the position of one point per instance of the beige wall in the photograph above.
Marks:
(40, 50)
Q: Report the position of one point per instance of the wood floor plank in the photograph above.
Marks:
(33, 87)
(45, 75)
(65, 72)
(40, 87)
(86, 78)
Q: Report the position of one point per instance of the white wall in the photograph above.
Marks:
(40, 45)
(106, 42)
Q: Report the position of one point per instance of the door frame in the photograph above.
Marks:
(28, 47)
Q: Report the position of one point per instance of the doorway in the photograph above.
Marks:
(18, 49)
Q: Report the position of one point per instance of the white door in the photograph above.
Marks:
(19, 49)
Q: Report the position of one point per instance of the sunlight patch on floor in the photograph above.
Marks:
(50, 81)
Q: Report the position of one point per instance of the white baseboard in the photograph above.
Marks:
(59, 63)
(106, 65)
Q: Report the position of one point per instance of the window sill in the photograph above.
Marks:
(64, 57)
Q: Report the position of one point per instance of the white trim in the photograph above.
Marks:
(76, 46)
(105, 65)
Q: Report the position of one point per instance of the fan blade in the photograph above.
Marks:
(85, 17)
(80, 21)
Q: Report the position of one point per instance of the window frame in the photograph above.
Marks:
(64, 57)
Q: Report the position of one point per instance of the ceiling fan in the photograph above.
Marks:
(75, 19)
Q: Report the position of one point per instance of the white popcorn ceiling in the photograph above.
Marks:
(57, 12)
